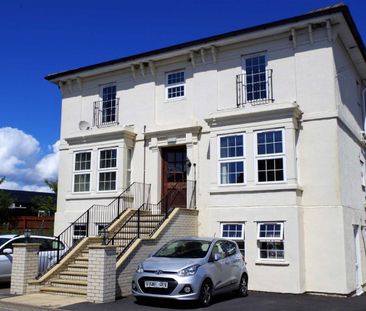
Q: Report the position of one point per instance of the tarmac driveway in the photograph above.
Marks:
(255, 301)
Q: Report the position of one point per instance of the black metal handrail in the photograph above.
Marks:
(145, 220)
(106, 112)
(254, 88)
(148, 218)
(93, 221)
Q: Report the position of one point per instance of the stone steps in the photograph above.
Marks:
(64, 290)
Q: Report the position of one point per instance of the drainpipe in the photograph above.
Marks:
(364, 108)
(144, 168)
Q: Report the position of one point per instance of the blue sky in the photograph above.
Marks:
(41, 36)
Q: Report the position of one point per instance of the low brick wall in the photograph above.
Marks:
(182, 223)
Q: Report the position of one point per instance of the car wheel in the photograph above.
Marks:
(206, 294)
(243, 286)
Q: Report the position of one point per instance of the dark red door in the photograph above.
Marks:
(174, 176)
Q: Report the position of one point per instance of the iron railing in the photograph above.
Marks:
(96, 219)
(254, 88)
(148, 218)
(106, 112)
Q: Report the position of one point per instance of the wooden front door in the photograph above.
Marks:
(174, 175)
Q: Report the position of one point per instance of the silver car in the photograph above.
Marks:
(192, 269)
(47, 252)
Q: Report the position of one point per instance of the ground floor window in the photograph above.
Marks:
(234, 231)
(271, 241)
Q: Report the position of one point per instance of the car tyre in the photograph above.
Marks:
(243, 286)
(205, 294)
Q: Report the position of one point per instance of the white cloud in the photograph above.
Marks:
(16, 149)
(11, 185)
(21, 162)
(47, 167)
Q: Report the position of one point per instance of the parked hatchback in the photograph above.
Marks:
(192, 269)
(47, 252)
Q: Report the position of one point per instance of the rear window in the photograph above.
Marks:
(184, 249)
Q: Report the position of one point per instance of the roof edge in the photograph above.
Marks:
(341, 8)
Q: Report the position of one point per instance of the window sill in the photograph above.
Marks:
(257, 188)
(281, 263)
(91, 195)
(173, 100)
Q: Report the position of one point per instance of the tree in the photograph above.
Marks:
(5, 201)
(46, 203)
(52, 184)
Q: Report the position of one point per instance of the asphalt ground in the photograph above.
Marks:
(256, 301)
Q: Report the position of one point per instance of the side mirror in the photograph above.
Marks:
(218, 256)
(7, 251)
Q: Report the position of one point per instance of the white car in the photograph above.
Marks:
(47, 252)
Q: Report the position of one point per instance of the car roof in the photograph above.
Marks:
(12, 236)
(7, 236)
(196, 238)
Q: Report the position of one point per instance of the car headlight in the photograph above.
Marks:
(188, 271)
(140, 269)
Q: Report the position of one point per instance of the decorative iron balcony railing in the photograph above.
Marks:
(106, 112)
(254, 88)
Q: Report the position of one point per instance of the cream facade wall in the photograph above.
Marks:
(316, 105)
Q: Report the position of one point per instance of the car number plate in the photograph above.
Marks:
(156, 284)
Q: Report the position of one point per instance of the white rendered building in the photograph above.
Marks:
(268, 121)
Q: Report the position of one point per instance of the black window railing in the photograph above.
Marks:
(254, 88)
(106, 112)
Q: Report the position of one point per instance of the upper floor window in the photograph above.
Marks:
(270, 156)
(231, 159)
(255, 85)
(107, 170)
(106, 110)
(175, 84)
(82, 171)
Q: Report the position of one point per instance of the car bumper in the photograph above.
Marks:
(177, 292)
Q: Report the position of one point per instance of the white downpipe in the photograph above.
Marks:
(364, 108)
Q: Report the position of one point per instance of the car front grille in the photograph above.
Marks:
(172, 284)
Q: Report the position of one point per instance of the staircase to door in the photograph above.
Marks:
(69, 274)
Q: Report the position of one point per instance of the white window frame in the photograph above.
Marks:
(230, 160)
(178, 84)
(248, 56)
(102, 87)
(79, 236)
(270, 156)
(236, 224)
(82, 172)
(107, 170)
(271, 239)
(105, 225)
(280, 239)
(241, 238)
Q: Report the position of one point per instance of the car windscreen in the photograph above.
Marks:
(3, 241)
(184, 249)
